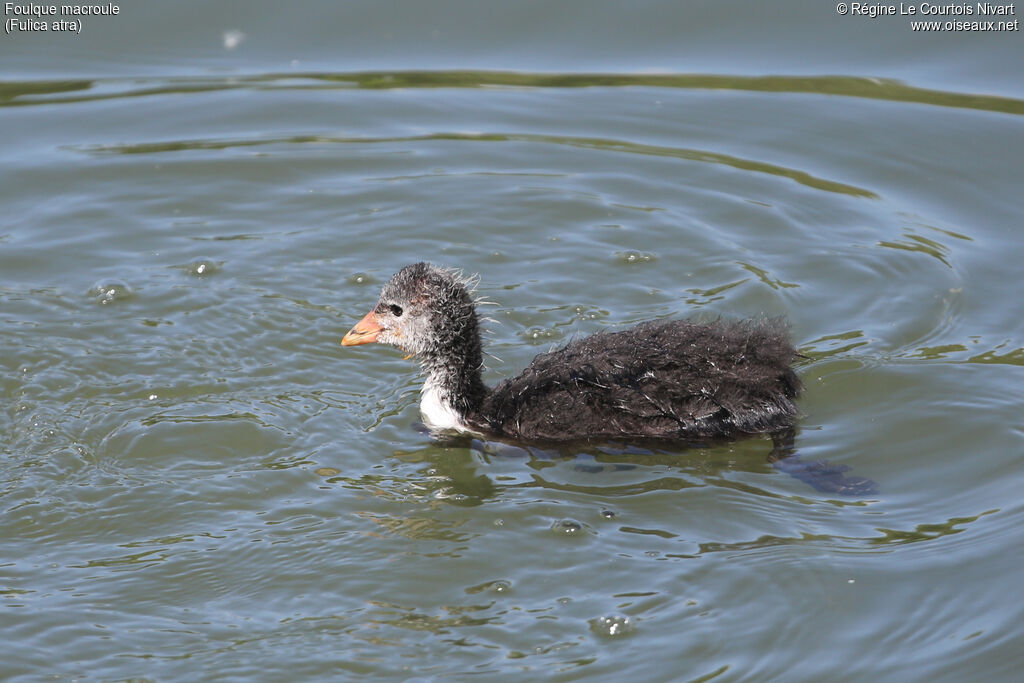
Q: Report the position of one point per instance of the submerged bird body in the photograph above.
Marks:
(674, 379)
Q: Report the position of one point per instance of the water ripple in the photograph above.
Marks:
(28, 93)
(603, 144)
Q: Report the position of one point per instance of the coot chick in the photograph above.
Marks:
(659, 380)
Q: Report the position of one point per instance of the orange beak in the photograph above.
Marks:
(365, 331)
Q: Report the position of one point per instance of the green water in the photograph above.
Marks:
(198, 483)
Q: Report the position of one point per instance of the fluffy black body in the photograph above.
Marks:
(674, 379)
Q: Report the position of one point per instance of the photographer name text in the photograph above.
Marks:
(928, 16)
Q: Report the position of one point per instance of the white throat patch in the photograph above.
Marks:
(438, 413)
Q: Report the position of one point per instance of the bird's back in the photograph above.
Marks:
(660, 380)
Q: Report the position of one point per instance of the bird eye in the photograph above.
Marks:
(396, 310)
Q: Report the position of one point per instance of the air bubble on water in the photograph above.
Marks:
(585, 313)
(450, 494)
(360, 279)
(232, 39)
(612, 625)
(109, 291)
(499, 586)
(568, 527)
(540, 333)
(635, 257)
(204, 267)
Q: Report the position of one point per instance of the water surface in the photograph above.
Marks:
(196, 479)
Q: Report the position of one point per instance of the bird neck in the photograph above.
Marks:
(454, 388)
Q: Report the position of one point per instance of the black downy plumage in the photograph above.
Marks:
(661, 380)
